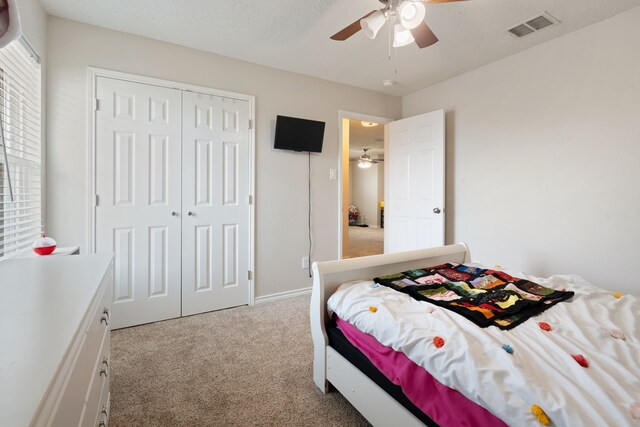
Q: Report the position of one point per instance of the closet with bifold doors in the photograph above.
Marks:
(172, 171)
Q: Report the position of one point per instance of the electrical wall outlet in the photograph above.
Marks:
(333, 174)
(305, 262)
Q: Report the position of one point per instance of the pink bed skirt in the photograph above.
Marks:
(444, 405)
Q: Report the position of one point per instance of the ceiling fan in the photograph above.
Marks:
(409, 23)
(365, 160)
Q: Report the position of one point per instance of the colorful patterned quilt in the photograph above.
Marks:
(484, 296)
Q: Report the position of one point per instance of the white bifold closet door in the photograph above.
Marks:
(215, 200)
(138, 148)
(172, 183)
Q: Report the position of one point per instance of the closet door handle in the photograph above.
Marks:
(190, 213)
(173, 213)
(436, 210)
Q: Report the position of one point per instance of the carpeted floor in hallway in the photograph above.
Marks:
(246, 366)
(364, 241)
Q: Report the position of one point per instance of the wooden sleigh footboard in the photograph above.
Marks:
(328, 365)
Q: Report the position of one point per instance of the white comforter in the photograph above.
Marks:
(540, 371)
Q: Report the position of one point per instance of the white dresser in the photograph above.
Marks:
(54, 341)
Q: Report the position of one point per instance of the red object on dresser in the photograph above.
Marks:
(44, 245)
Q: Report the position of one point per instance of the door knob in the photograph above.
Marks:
(173, 213)
(190, 213)
(436, 210)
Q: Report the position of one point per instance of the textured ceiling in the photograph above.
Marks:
(294, 34)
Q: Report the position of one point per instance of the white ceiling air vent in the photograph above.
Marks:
(532, 25)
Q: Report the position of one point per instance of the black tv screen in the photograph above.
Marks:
(299, 134)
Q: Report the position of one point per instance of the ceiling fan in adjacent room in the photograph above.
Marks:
(409, 23)
(365, 160)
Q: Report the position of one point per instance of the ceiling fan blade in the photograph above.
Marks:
(350, 30)
(423, 35)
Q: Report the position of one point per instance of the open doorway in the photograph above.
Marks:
(363, 185)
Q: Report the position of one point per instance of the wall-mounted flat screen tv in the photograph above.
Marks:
(299, 134)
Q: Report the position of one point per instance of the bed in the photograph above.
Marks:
(338, 365)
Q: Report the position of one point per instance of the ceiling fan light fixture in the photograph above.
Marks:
(401, 36)
(411, 14)
(364, 164)
(365, 161)
(369, 124)
(372, 24)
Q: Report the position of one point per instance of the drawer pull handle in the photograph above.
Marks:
(106, 316)
(105, 368)
(105, 417)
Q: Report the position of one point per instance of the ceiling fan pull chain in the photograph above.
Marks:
(389, 41)
(395, 57)
(394, 49)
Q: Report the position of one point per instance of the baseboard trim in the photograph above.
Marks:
(282, 295)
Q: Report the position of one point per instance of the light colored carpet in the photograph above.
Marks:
(364, 241)
(247, 366)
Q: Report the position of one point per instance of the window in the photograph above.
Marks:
(20, 149)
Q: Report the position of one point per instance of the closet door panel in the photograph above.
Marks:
(215, 186)
(138, 151)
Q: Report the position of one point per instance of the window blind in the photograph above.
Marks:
(20, 149)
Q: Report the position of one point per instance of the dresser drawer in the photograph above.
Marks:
(87, 364)
(101, 373)
(102, 419)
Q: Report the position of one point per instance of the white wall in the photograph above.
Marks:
(364, 191)
(543, 155)
(33, 20)
(281, 190)
(380, 195)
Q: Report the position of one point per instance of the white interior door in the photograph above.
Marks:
(414, 203)
(215, 200)
(138, 192)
